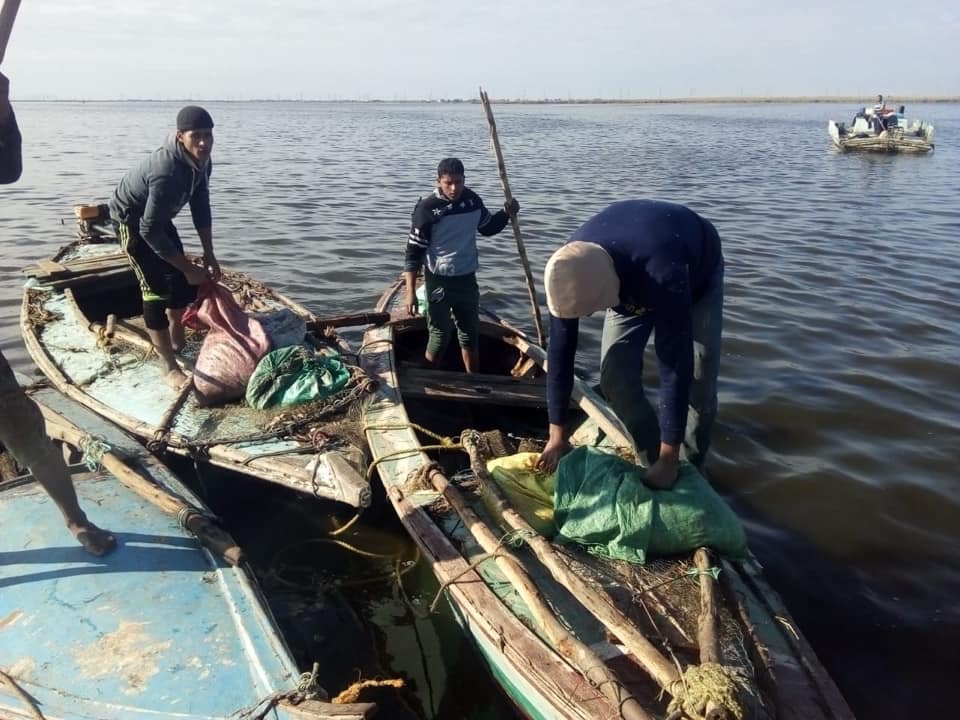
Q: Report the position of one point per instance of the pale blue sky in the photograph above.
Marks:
(391, 49)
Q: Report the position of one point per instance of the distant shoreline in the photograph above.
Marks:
(893, 101)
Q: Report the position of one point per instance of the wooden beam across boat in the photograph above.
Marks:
(46, 269)
(418, 382)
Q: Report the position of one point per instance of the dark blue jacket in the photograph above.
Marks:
(11, 160)
(150, 195)
(665, 256)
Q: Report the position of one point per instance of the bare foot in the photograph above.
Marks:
(95, 541)
(175, 379)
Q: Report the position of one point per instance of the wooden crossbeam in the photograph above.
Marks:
(473, 388)
(50, 270)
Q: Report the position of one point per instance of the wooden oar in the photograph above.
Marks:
(562, 640)
(595, 601)
(7, 16)
(193, 519)
(513, 219)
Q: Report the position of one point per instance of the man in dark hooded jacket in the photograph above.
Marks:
(144, 204)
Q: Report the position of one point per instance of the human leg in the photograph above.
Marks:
(707, 325)
(465, 303)
(158, 329)
(153, 274)
(23, 433)
(621, 378)
(439, 322)
(182, 294)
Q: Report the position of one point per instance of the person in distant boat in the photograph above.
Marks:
(143, 206)
(22, 430)
(654, 267)
(443, 240)
(881, 115)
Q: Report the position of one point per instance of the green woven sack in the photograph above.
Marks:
(295, 375)
(601, 502)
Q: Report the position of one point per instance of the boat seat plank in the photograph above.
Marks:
(416, 382)
(50, 270)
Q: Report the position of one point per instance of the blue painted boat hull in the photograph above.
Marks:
(159, 628)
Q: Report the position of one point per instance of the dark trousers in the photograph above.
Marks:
(161, 284)
(624, 340)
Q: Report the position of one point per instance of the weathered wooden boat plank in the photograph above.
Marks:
(482, 388)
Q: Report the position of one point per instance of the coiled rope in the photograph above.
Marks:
(708, 682)
(93, 449)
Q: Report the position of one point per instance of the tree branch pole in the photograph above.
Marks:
(7, 16)
(707, 637)
(579, 655)
(191, 518)
(595, 601)
(538, 322)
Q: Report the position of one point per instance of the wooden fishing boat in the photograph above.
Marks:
(171, 624)
(82, 324)
(565, 633)
(882, 131)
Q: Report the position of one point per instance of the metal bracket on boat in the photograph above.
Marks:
(158, 445)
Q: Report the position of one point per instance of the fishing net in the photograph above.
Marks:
(37, 314)
(663, 599)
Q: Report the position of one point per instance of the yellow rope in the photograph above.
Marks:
(412, 426)
(349, 524)
(708, 682)
(352, 693)
(514, 538)
(445, 443)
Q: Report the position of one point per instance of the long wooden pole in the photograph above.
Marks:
(7, 16)
(562, 640)
(707, 627)
(193, 519)
(508, 194)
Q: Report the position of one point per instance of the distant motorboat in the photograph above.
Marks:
(883, 130)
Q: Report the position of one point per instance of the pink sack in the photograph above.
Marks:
(233, 346)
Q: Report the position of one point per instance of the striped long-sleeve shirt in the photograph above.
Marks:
(443, 233)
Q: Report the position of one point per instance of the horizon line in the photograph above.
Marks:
(710, 99)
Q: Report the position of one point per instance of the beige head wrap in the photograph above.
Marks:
(580, 280)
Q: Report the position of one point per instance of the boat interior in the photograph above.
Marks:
(508, 394)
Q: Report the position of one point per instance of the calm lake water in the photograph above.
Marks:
(839, 422)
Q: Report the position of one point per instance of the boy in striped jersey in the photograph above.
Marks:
(443, 240)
